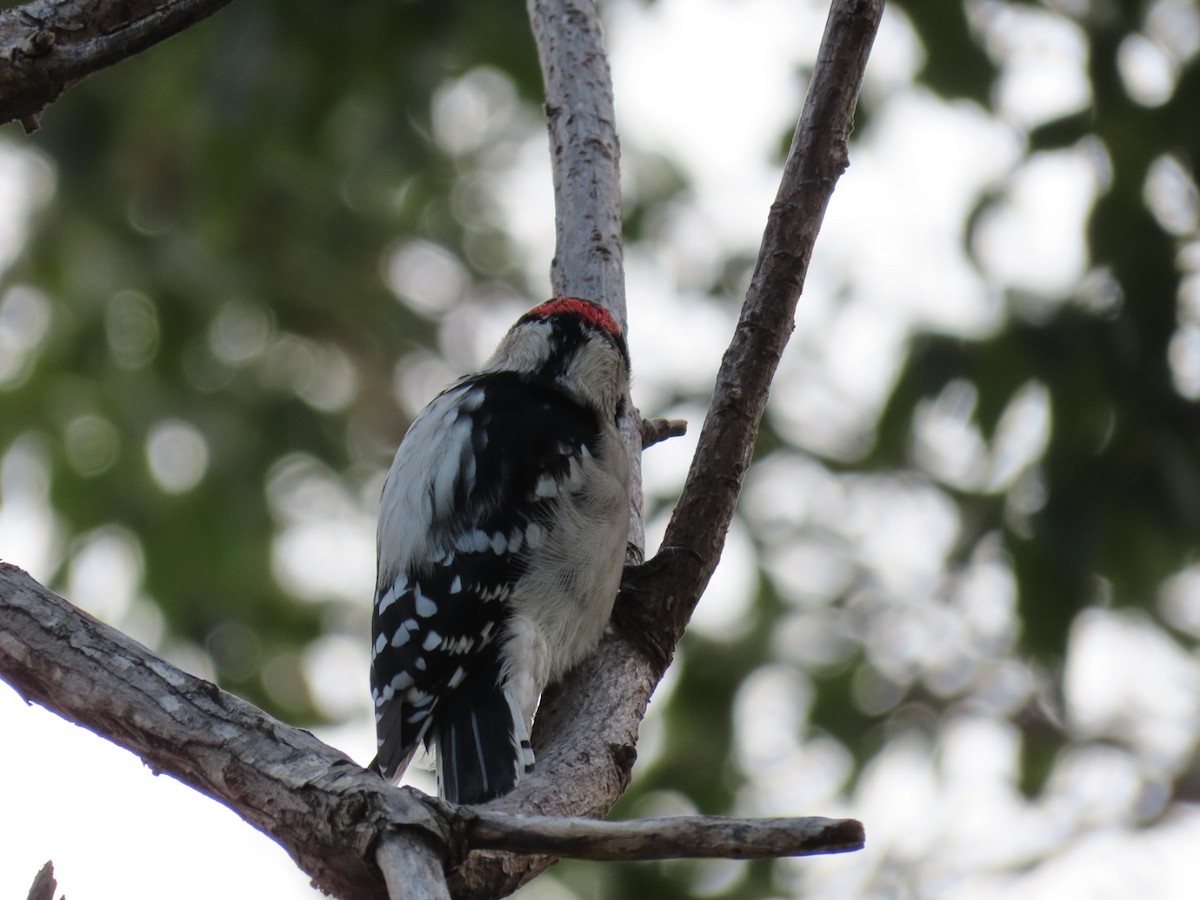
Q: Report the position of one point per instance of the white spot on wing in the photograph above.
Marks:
(392, 594)
(401, 682)
(431, 640)
(456, 585)
(546, 486)
(425, 606)
(533, 534)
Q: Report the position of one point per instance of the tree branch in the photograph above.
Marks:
(48, 45)
(412, 867)
(44, 885)
(816, 159)
(332, 816)
(677, 837)
(585, 735)
(328, 812)
(584, 153)
(585, 163)
(655, 431)
(324, 809)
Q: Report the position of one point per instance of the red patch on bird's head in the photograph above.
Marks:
(592, 313)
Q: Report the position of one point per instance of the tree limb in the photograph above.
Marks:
(329, 813)
(412, 867)
(585, 163)
(44, 885)
(585, 735)
(816, 159)
(677, 837)
(324, 809)
(584, 153)
(48, 45)
(332, 816)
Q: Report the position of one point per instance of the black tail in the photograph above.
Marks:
(482, 741)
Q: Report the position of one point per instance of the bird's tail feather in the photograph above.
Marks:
(482, 744)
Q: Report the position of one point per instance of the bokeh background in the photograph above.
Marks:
(961, 599)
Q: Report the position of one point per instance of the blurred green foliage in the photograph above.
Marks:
(214, 251)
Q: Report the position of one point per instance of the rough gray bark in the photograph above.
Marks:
(337, 819)
(324, 809)
(355, 835)
(44, 885)
(585, 736)
(677, 837)
(585, 163)
(48, 45)
(584, 153)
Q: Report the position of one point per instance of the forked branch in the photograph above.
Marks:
(337, 819)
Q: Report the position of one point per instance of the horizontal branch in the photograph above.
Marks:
(343, 825)
(655, 431)
(676, 837)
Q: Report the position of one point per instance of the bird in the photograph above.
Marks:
(503, 524)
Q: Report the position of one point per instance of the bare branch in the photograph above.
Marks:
(44, 884)
(584, 153)
(327, 811)
(48, 45)
(324, 809)
(817, 157)
(585, 157)
(677, 837)
(655, 431)
(355, 835)
(412, 867)
(586, 731)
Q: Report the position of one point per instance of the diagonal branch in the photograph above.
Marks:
(48, 45)
(816, 159)
(323, 808)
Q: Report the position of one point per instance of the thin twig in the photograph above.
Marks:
(71, 60)
(655, 431)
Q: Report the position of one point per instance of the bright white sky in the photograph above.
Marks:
(891, 235)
